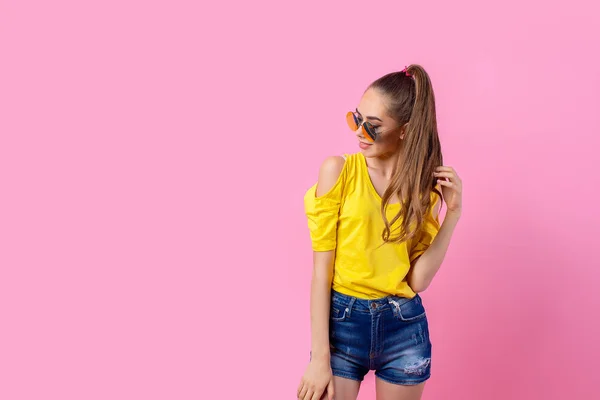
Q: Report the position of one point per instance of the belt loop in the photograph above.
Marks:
(350, 304)
(394, 304)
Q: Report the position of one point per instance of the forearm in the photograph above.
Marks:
(429, 263)
(320, 298)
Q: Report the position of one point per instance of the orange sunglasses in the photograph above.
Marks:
(369, 131)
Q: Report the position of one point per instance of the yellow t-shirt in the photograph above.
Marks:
(348, 219)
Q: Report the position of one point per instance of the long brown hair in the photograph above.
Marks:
(411, 101)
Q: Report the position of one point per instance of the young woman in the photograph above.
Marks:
(377, 242)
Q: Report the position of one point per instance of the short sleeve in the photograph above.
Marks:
(322, 213)
(431, 226)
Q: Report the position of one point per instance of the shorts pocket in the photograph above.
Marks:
(341, 307)
(408, 310)
(339, 313)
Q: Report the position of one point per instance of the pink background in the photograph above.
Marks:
(153, 159)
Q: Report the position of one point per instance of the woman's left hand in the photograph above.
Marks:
(451, 188)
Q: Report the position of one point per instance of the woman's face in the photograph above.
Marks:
(372, 108)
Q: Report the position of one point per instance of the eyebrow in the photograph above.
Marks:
(369, 117)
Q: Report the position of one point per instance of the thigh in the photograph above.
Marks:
(405, 357)
(349, 339)
(345, 389)
(391, 391)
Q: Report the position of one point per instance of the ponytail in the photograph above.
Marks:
(412, 103)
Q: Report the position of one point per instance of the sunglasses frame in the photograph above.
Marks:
(368, 129)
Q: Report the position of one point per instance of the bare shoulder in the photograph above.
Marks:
(332, 166)
(329, 173)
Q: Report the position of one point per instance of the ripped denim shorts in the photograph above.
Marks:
(388, 335)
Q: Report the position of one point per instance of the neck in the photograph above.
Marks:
(385, 164)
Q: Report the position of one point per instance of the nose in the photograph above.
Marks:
(360, 133)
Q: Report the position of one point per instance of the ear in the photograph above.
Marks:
(403, 131)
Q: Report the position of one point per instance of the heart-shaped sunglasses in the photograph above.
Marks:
(369, 131)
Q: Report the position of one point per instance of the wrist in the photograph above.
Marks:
(451, 218)
(453, 214)
(320, 356)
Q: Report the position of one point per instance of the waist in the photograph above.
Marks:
(370, 278)
(369, 306)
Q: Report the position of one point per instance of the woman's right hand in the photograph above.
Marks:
(317, 380)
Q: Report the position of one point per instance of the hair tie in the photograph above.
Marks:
(405, 70)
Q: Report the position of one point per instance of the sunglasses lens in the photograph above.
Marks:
(369, 132)
(352, 121)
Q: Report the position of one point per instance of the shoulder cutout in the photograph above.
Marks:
(329, 174)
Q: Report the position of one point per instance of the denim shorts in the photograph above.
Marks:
(388, 335)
